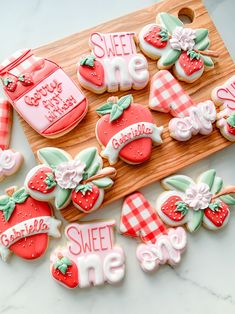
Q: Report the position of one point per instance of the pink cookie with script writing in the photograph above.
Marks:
(126, 130)
(90, 256)
(25, 225)
(113, 64)
(40, 91)
(224, 96)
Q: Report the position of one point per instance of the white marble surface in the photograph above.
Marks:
(205, 280)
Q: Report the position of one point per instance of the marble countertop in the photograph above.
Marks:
(204, 282)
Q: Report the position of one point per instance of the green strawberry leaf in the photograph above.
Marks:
(182, 207)
(170, 22)
(170, 58)
(217, 185)
(215, 206)
(193, 54)
(115, 113)
(208, 177)
(201, 34)
(208, 62)
(203, 44)
(177, 182)
(66, 260)
(83, 188)
(89, 61)
(4, 201)
(91, 159)
(105, 109)
(228, 199)
(50, 181)
(125, 101)
(231, 120)
(20, 196)
(8, 209)
(62, 198)
(195, 221)
(103, 183)
(52, 156)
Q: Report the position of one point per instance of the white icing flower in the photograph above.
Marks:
(198, 196)
(7, 159)
(183, 38)
(69, 174)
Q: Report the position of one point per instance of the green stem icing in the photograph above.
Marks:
(182, 207)
(8, 203)
(62, 264)
(115, 109)
(88, 61)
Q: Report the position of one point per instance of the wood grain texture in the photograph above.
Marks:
(172, 155)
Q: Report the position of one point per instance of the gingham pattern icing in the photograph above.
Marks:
(5, 123)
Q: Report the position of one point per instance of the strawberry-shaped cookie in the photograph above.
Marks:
(60, 179)
(65, 271)
(40, 91)
(91, 257)
(113, 64)
(126, 130)
(190, 203)
(173, 44)
(25, 225)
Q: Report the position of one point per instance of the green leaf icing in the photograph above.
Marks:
(178, 182)
(195, 221)
(62, 197)
(215, 207)
(182, 207)
(84, 188)
(7, 204)
(231, 120)
(52, 156)
(89, 61)
(103, 183)
(170, 22)
(228, 199)
(91, 159)
(201, 33)
(115, 110)
(208, 62)
(170, 57)
(193, 54)
(217, 185)
(164, 35)
(208, 177)
(50, 181)
(105, 109)
(62, 264)
(203, 44)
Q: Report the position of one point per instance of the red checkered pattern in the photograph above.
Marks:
(22, 61)
(140, 220)
(166, 95)
(5, 123)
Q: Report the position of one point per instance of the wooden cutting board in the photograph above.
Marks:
(172, 155)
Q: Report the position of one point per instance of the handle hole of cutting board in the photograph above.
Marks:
(186, 15)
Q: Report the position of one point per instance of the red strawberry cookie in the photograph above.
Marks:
(61, 179)
(193, 203)
(174, 45)
(91, 257)
(126, 130)
(40, 91)
(25, 225)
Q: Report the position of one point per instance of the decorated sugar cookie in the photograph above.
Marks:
(126, 130)
(224, 96)
(177, 46)
(10, 160)
(166, 95)
(195, 203)
(91, 256)
(40, 91)
(113, 64)
(60, 179)
(159, 244)
(25, 225)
